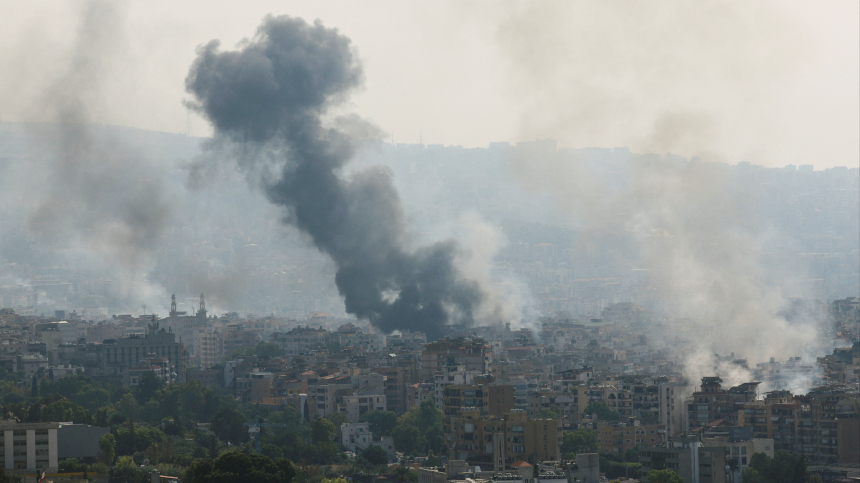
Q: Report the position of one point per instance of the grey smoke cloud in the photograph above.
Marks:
(95, 190)
(270, 104)
(680, 220)
(689, 79)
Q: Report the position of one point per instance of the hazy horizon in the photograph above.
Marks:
(770, 83)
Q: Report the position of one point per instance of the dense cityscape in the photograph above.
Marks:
(296, 297)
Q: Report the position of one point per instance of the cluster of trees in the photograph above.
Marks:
(237, 467)
(159, 423)
(579, 441)
(784, 467)
(262, 349)
(602, 410)
(419, 431)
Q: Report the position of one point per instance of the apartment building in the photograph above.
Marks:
(488, 399)
(622, 437)
(121, 354)
(501, 441)
(28, 446)
(687, 457)
(447, 355)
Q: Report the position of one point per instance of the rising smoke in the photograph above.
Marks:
(694, 80)
(269, 103)
(95, 202)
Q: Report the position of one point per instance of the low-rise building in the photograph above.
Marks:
(29, 446)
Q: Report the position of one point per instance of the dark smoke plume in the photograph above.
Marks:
(268, 103)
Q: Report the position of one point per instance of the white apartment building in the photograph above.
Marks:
(29, 446)
(360, 404)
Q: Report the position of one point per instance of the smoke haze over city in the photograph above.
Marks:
(278, 170)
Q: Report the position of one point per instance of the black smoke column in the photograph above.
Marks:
(267, 102)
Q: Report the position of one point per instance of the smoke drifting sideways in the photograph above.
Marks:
(679, 219)
(88, 197)
(270, 103)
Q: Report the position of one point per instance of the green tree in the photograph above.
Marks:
(322, 435)
(404, 474)
(65, 410)
(419, 431)
(272, 451)
(229, 425)
(107, 446)
(8, 478)
(70, 465)
(784, 467)
(649, 418)
(91, 397)
(751, 475)
(604, 412)
(376, 455)
(322, 430)
(133, 438)
(408, 439)
(268, 349)
(236, 467)
(550, 413)
(579, 441)
(337, 419)
(127, 406)
(382, 423)
(432, 461)
(664, 476)
(147, 386)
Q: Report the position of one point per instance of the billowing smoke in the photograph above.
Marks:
(270, 104)
(83, 195)
(680, 220)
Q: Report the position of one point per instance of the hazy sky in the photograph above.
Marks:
(769, 82)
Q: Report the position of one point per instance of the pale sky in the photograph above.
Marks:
(772, 83)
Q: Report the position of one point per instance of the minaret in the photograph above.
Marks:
(202, 312)
(173, 305)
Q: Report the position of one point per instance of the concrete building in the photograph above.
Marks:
(182, 324)
(357, 437)
(688, 458)
(301, 340)
(622, 437)
(29, 446)
(400, 373)
(501, 441)
(488, 399)
(712, 402)
(254, 388)
(356, 405)
(446, 355)
(122, 354)
(738, 453)
(585, 469)
(208, 347)
(79, 441)
(31, 364)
